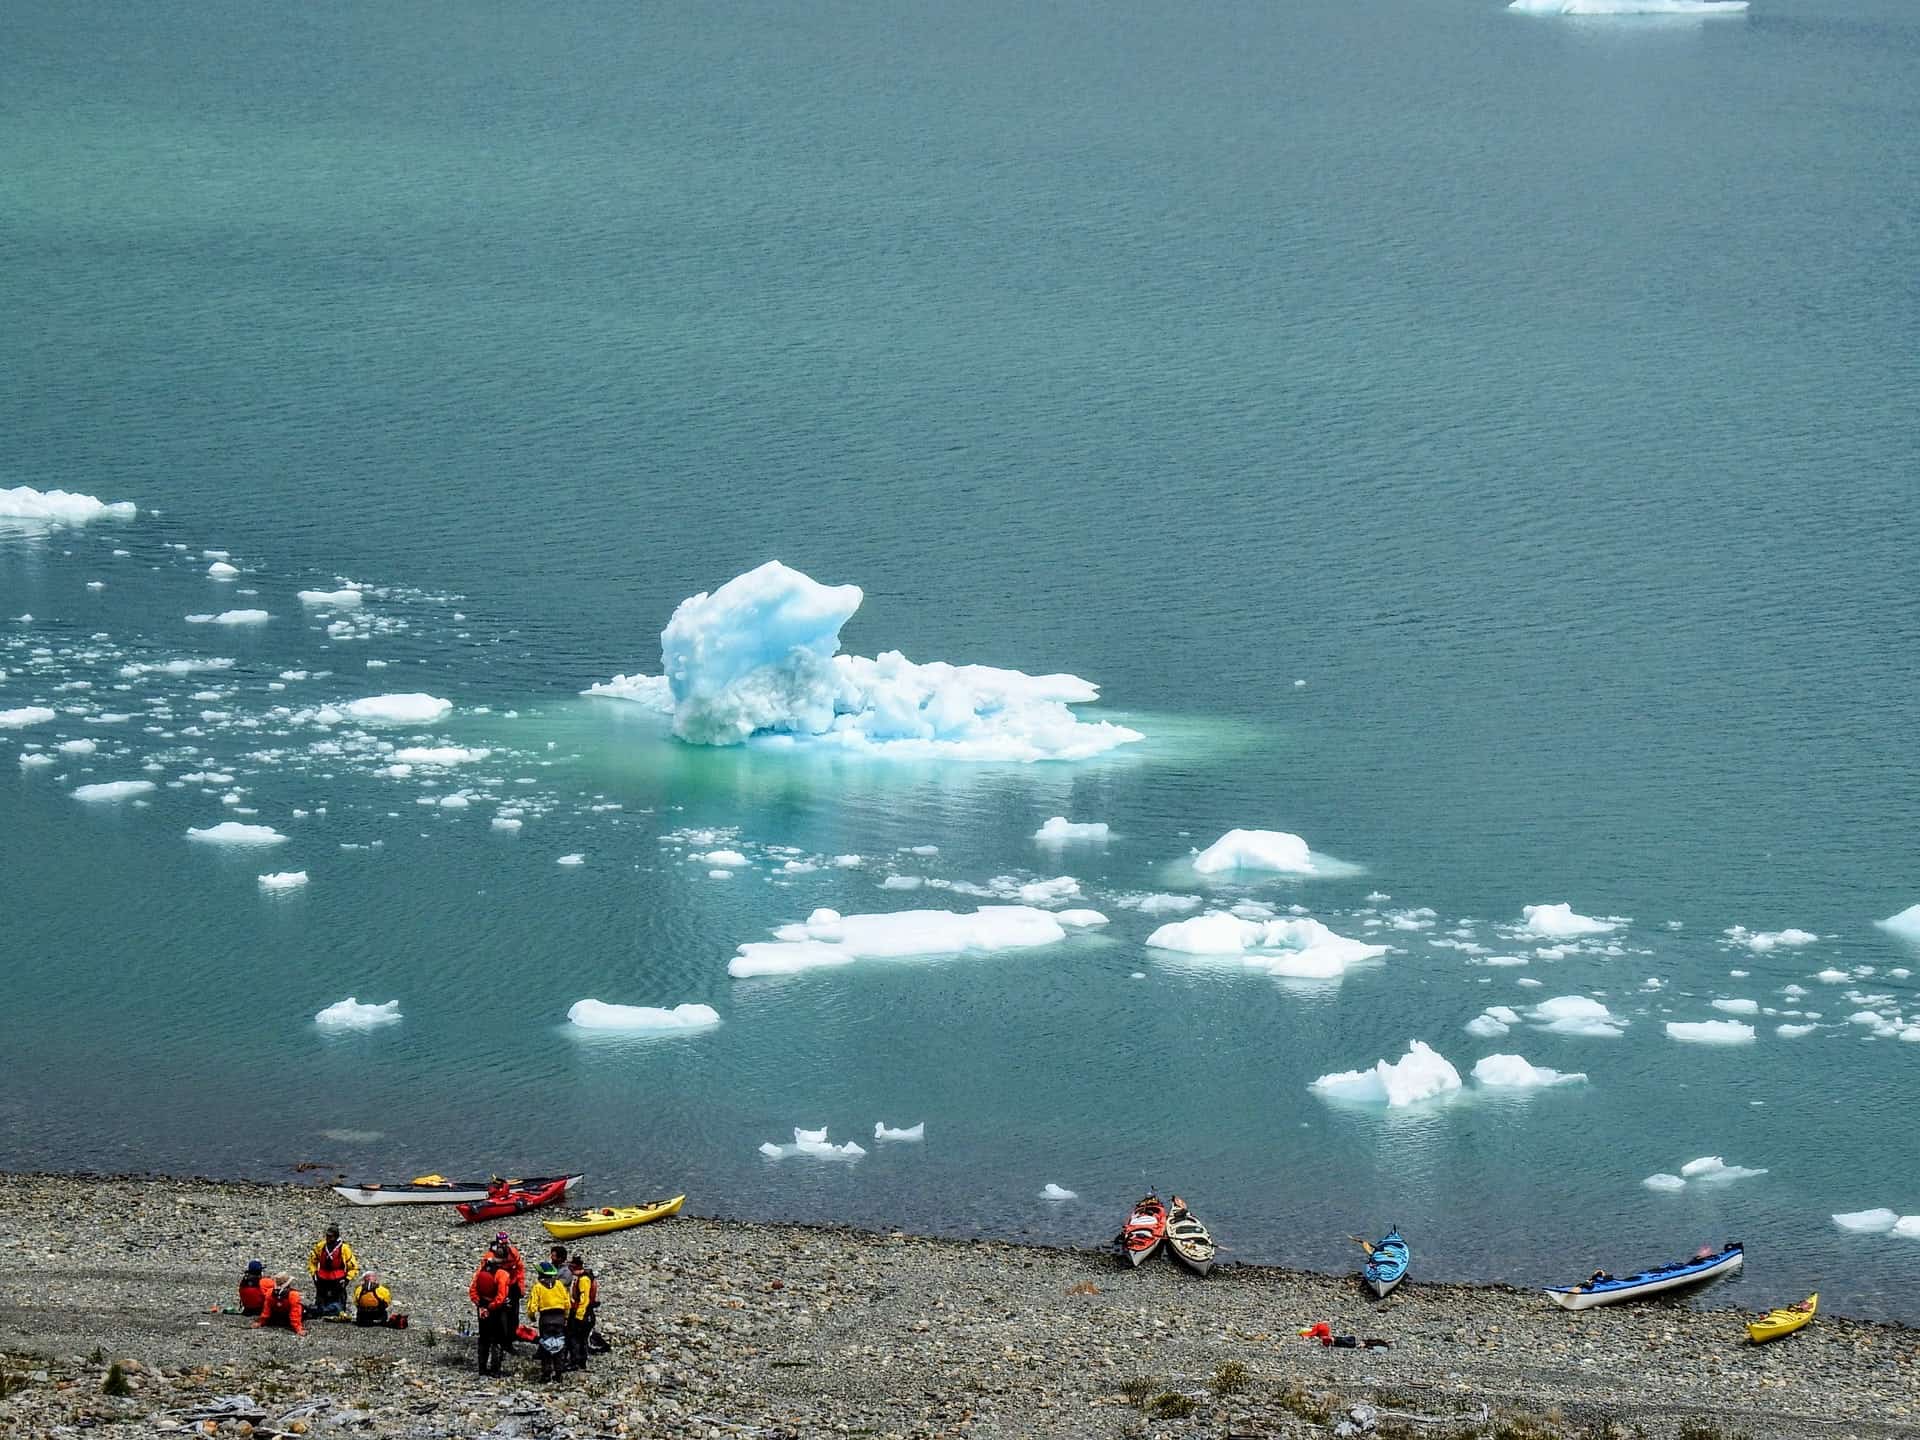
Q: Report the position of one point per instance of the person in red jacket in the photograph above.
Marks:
(280, 1305)
(252, 1293)
(516, 1286)
(489, 1295)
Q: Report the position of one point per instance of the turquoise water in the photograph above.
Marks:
(1541, 393)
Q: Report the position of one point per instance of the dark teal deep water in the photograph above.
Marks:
(1541, 393)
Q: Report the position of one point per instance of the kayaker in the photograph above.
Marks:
(516, 1285)
(252, 1293)
(331, 1264)
(586, 1308)
(558, 1255)
(489, 1295)
(280, 1305)
(550, 1303)
(370, 1301)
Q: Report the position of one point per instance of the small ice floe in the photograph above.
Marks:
(1906, 924)
(1662, 1180)
(720, 859)
(233, 832)
(847, 862)
(1710, 1032)
(1713, 1170)
(1512, 1072)
(1493, 1022)
(96, 584)
(1833, 977)
(25, 715)
(1577, 1015)
(1060, 831)
(284, 880)
(574, 859)
(1761, 941)
(439, 755)
(506, 822)
(110, 790)
(411, 709)
(59, 507)
(1868, 1222)
(1794, 1032)
(1272, 850)
(1420, 1074)
(1560, 922)
(827, 938)
(233, 617)
(813, 1144)
(1737, 1006)
(36, 759)
(344, 599)
(1051, 1191)
(221, 570)
(350, 1014)
(1081, 919)
(596, 1015)
(882, 1131)
(1297, 948)
(1158, 904)
(1702, 8)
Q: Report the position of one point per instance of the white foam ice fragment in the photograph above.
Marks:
(1907, 1227)
(758, 657)
(506, 822)
(814, 1145)
(454, 802)
(1703, 8)
(1512, 1072)
(799, 867)
(78, 747)
(1294, 947)
(1663, 1181)
(573, 859)
(597, 1015)
(1061, 831)
(410, 709)
(1080, 919)
(350, 1014)
(22, 716)
(847, 862)
(346, 598)
(1833, 977)
(284, 880)
(882, 1131)
(1420, 1074)
(726, 859)
(1710, 1032)
(1737, 1006)
(1492, 1023)
(921, 849)
(1794, 1032)
(1868, 1222)
(135, 671)
(1278, 851)
(1137, 975)
(236, 617)
(439, 755)
(827, 938)
(1577, 1015)
(720, 874)
(1761, 941)
(96, 584)
(1906, 924)
(1056, 891)
(653, 692)
(1712, 1169)
(902, 882)
(221, 570)
(1051, 1191)
(108, 790)
(25, 506)
(1378, 897)
(233, 832)
(1158, 904)
(1560, 922)
(35, 759)
(1498, 961)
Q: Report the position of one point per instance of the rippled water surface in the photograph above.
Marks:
(1540, 393)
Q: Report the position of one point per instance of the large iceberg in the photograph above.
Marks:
(1299, 948)
(1906, 924)
(1256, 850)
(25, 505)
(759, 657)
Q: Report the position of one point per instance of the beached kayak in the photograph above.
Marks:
(1775, 1323)
(1188, 1241)
(431, 1190)
(1605, 1289)
(513, 1199)
(1386, 1264)
(1145, 1230)
(624, 1217)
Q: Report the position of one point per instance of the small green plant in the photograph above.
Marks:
(97, 1355)
(11, 1383)
(1171, 1405)
(1139, 1389)
(116, 1381)
(1230, 1378)
(1296, 1400)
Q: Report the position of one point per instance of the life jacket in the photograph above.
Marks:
(331, 1262)
(370, 1304)
(489, 1287)
(586, 1296)
(281, 1307)
(252, 1295)
(551, 1305)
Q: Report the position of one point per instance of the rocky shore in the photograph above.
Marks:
(725, 1329)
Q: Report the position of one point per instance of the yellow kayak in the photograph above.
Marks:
(1775, 1323)
(599, 1222)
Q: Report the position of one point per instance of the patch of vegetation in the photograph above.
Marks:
(12, 1382)
(1523, 1427)
(96, 1355)
(1296, 1400)
(116, 1381)
(1230, 1378)
(1139, 1389)
(429, 1337)
(1171, 1405)
(1701, 1430)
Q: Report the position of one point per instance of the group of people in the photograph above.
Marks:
(274, 1300)
(563, 1303)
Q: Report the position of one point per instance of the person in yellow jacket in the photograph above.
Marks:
(586, 1309)
(370, 1301)
(550, 1303)
(332, 1265)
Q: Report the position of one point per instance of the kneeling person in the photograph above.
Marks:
(370, 1301)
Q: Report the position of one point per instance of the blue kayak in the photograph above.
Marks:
(1605, 1289)
(1387, 1264)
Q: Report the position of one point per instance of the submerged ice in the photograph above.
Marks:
(760, 657)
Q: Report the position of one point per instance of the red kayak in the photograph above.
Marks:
(1145, 1230)
(505, 1199)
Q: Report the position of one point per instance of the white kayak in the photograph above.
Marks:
(1606, 1289)
(434, 1190)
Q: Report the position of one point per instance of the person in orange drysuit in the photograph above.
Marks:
(280, 1305)
(252, 1293)
(489, 1295)
(516, 1287)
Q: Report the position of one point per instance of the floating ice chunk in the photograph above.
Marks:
(1559, 922)
(345, 599)
(454, 802)
(729, 859)
(720, 874)
(1052, 1191)
(1710, 1032)
(827, 938)
(1080, 919)
(1275, 850)
(1298, 948)
(911, 1132)
(1629, 7)
(652, 691)
(1907, 1227)
(96, 584)
(78, 747)
(1761, 941)
(35, 759)
(26, 505)
(758, 657)
(574, 859)
(1060, 830)
(1664, 1181)
(285, 880)
(902, 882)
(350, 1014)
(1833, 977)
(1738, 1007)
(847, 862)
(25, 715)
(809, 1137)
(414, 709)
(114, 790)
(232, 832)
(1418, 1075)
(506, 822)
(1868, 1222)
(813, 1144)
(921, 849)
(1577, 1015)
(1713, 1170)
(441, 755)
(594, 1015)
(1906, 924)
(1794, 1032)
(221, 570)
(1158, 904)
(1511, 1072)
(1485, 1027)
(241, 617)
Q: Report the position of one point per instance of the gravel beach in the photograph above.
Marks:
(722, 1328)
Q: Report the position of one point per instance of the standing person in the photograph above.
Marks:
(252, 1288)
(280, 1305)
(558, 1255)
(331, 1264)
(370, 1301)
(586, 1309)
(489, 1295)
(550, 1303)
(516, 1285)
